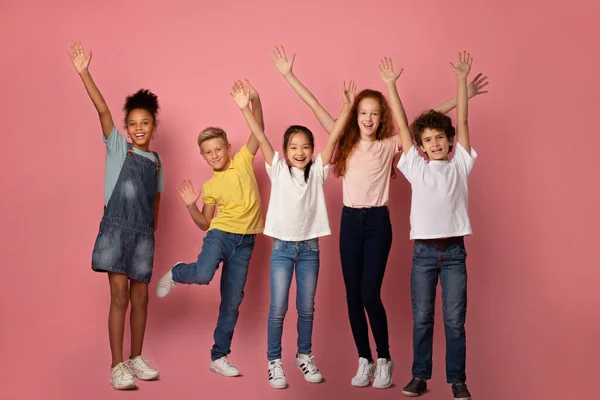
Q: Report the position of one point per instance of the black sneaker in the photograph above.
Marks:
(415, 387)
(460, 391)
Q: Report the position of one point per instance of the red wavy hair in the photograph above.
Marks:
(351, 132)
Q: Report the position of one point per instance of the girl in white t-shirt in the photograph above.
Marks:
(296, 218)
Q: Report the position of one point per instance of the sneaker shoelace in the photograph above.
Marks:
(143, 364)
(122, 371)
(167, 284)
(277, 371)
(363, 369)
(310, 365)
(225, 362)
(382, 370)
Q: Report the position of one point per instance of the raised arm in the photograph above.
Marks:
(241, 95)
(81, 62)
(474, 88)
(348, 95)
(252, 144)
(190, 198)
(461, 69)
(285, 66)
(386, 69)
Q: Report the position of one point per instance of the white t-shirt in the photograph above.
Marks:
(297, 209)
(440, 193)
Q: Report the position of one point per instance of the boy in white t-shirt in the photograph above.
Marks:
(439, 221)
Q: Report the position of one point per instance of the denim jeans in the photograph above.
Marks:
(365, 242)
(449, 264)
(234, 251)
(304, 256)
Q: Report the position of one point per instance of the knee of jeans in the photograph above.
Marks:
(354, 300)
(454, 314)
(278, 310)
(423, 312)
(305, 310)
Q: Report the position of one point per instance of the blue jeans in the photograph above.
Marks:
(449, 264)
(234, 251)
(304, 256)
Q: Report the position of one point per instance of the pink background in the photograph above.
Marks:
(533, 323)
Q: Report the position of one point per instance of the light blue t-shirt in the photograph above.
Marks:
(116, 151)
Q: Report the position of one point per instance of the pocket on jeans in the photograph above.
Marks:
(278, 245)
(313, 245)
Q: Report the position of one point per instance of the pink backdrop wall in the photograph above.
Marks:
(533, 319)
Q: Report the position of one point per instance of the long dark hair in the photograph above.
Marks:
(291, 131)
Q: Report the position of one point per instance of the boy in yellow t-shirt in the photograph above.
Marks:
(231, 233)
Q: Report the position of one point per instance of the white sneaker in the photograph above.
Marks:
(383, 373)
(364, 373)
(121, 378)
(140, 368)
(306, 364)
(276, 375)
(224, 367)
(166, 284)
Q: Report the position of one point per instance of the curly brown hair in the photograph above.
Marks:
(435, 120)
(351, 132)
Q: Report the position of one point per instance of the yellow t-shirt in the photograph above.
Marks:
(235, 192)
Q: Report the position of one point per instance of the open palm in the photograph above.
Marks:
(80, 60)
(240, 94)
(475, 87)
(281, 61)
(463, 66)
(187, 193)
(386, 69)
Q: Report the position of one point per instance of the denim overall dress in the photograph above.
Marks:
(125, 243)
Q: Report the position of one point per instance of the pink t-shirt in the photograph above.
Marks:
(366, 182)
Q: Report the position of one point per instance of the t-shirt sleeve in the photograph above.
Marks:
(277, 165)
(116, 146)
(394, 141)
(411, 163)
(463, 160)
(207, 197)
(244, 157)
(320, 170)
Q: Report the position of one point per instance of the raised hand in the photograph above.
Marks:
(80, 60)
(386, 69)
(475, 86)
(240, 94)
(349, 93)
(187, 193)
(463, 66)
(251, 90)
(281, 61)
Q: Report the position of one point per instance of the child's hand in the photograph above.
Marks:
(462, 68)
(281, 62)
(386, 69)
(478, 83)
(186, 191)
(79, 59)
(240, 94)
(251, 90)
(349, 93)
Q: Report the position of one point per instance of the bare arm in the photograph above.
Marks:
(257, 111)
(156, 207)
(474, 88)
(386, 69)
(348, 95)
(284, 66)
(81, 62)
(241, 96)
(190, 198)
(461, 69)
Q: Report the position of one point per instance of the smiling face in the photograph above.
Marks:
(299, 150)
(369, 118)
(216, 153)
(140, 128)
(435, 144)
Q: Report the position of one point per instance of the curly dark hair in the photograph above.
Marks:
(143, 99)
(433, 120)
